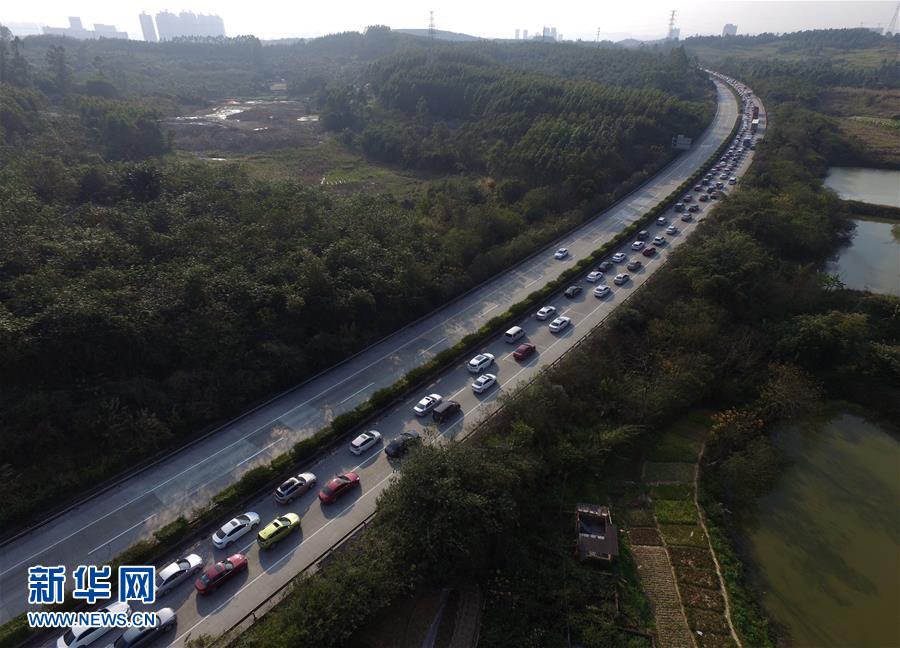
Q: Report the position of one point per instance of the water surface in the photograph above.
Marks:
(876, 186)
(827, 538)
(872, 261)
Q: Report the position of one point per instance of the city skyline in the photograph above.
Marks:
(645, 19)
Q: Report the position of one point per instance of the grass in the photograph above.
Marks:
(672, 492)
(683, 535)
(669, 472)
(675, 512)
(675, 448)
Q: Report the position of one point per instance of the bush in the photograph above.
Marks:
(173, 532)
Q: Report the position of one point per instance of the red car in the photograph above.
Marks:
(524, 351)
(649, 252)
(338, 486)
(222, 571)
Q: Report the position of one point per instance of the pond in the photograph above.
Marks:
(827, 538)
(876, 186)
(872, 261)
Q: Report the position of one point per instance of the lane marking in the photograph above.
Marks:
(355, 393)
(423, 351)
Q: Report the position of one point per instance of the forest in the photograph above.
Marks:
(144, 298)
(743, 322)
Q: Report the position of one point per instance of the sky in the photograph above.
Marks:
(499, 19)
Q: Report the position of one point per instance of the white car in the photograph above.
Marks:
(480, 362)
(671, 229)
(619, 257)
(594, 276)
(620, 279)
(427, 404)
(545, 312)
(637, 245)
(78, 636)
(561, 253)
(662, 221)
(364, 441)
(235, 529)
(560, 324)
(483, 383)
(732, 180)
(601, 291)
(659, 240)
(173, 574)
(294, 487)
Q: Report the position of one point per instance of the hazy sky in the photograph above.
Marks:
(615, 18)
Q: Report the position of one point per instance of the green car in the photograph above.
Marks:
(278, 529)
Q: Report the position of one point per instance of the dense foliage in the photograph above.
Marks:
(142, 299)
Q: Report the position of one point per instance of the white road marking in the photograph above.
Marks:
(355, 393)
(432, 346)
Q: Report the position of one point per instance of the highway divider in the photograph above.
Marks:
(256, 481)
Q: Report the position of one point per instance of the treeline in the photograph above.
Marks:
(811, 39)
(461, 112)
(742, 320)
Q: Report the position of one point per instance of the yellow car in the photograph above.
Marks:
(278, 529)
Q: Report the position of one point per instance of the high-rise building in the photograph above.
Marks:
(553, 33)
(729, 30)
(187, 23)
(76, 30)
(524, 34)
(517, 34)
(147, 27)
(166, 25)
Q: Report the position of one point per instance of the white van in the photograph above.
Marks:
(514, 334)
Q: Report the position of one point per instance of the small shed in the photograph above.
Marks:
(598, 537)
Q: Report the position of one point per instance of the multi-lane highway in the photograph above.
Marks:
(99, 528)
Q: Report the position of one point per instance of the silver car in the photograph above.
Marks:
(294, 487)
(174, 574)
(135, 637)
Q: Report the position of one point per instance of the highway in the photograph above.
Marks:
(98, 529)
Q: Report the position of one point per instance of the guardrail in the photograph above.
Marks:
(230, 636)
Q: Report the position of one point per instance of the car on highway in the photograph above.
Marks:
(659, 240)
(364, 441)
(594, 277)
(662, 220)
(671, 229)
(78, 636)
(687, 217)
(638, 245)
(679, 207)
(688, 198)
(649, 252)
(605, 266)
(136, 637)
(480, 362)
(294, 487)
(220, 573)
(601, 291)
(483, 383)
(694, 209)
(703, 198)
(619, 257)
(621, 279)
(573, 291)
(561, 253)
(406, 440)
(545, 312)
(643, 235)
(635, 265)
(732, 180)
(427, 404)
(177, 572)
(698, 188)
(524, 351)
(234, 529)
(338, 487)
(278, 529)
(560, 324)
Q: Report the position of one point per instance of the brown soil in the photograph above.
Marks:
(699, 577)
(691, 557)
(707, 621)
(644, 536)
(702, 598)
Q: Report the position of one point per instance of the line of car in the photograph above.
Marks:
(210, 579)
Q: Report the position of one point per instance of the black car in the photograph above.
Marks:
(643, 235)
(605, 266)
(402, 444)
(573, 291)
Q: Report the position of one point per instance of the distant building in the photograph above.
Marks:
(553, 33)
(517, 34)
(77, 30)
(148, 29)
(23, 29)
(729, 30)
(524, 34)
(187, 23)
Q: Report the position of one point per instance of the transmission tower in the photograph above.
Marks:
(892, 27)
(671, 31)
(598, 37)
(431, 27)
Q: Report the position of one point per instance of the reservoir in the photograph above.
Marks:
(876, 186)
(826, 539)
(872, 261)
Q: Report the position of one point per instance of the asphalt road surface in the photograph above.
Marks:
(101, 527)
